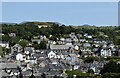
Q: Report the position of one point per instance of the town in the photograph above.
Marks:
(53, 50)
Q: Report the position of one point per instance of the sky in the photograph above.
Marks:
(68, 13)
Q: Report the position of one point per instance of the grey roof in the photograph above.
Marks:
(60, 46)
(53, 73)
(8, 65)
(86, 45)
(17, 45)
(4, 42)
(26, 73)
(3, 74)
(29, 49)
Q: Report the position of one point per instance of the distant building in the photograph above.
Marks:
(43, 26)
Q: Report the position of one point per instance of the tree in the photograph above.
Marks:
(5, 38)
(36, 45)
(23, 43)
(111, 67)
(13, 40)
(91, 59)
(111, 75)
(90, 71)
(1, 51)
(43, 45)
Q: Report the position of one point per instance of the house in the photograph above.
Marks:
(12, 34)
(8, 66)
(16, 48)
(4, 44)
(43, 64)
(76, 47)
(19, 57)
(3, 74)
(105, 52)
(89, 36)
(85, 35)
(71, 59)
(51, 54)
(62, 39)
(41, 54)
(1, 34)
(64, 75)
(68, 40)
(95, 45)
(79, 36)
(29, 50)
(42, 37)
(72, 35)
(32, 60)
(60, 47)
(60, 42)
(43, 26)
(36, 40)
(85, 45)
(82, 40)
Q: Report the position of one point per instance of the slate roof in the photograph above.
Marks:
(4, 42)
(8, 65)
(60, 46)
(29, 49)
(3, 74)
(26, 73)
(17, 45)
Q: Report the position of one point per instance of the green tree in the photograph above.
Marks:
(5, 38)
(13, 40)
(1, 51)
(36, 45)
(111, 67)
(23, 43)
(90, 71)
(43, 45)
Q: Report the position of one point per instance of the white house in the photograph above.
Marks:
(51, 54)
(105, 52)
(4, 44)
(2, 34)
(76, 47)
(89, 36)
(19, 57)
(16, 48)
